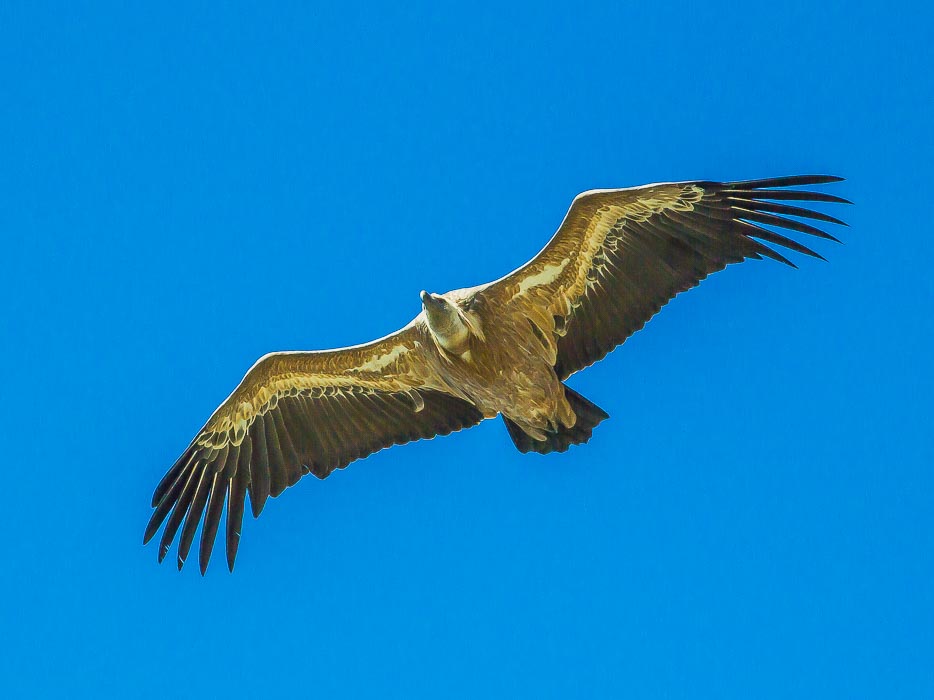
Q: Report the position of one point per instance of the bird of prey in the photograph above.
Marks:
(502, 348)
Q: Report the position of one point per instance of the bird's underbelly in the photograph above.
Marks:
(530, 394)
(510, 372)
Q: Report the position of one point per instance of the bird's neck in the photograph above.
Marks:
(453, 337)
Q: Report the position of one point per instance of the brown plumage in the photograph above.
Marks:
(503, 348)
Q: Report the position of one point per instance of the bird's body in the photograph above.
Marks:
(503, 348)
(505, 367)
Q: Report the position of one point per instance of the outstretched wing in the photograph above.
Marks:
(620, 255)
(296, 413)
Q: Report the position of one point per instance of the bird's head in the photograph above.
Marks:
(447, 321)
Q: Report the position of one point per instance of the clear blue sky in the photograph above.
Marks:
(184, 190)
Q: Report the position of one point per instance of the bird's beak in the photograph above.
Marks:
(428, 299)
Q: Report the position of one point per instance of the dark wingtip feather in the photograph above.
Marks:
(193, 518)
(179, 510)
(761, 217)
(788, 195)
(259, 485)
(787, 181)
(171, 476)
(778, 239)
(752, 212)
(152, 527)
(761, 205)
(212, 518)
(235, 503)
(774, 255)
(168, 502)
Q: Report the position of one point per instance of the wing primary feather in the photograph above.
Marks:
(790, 181)
(244, 460)
(732, 245)
(259, 468)
(792, 195)
(786, 209)
(194, 515)
(173, 474)
(718, 245)
(781, 240)
(294, 419)
(236, 499)
(233, 459)
(277, 478)
(772, 220)
(169, 500)
(235, 504)
(212, 519)
(220, 459)
(181, 508)
(763, 249)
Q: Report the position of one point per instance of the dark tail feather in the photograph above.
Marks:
(589, 415)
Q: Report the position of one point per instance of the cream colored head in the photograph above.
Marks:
(446, 322)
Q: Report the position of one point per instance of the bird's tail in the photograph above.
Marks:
(589, 415)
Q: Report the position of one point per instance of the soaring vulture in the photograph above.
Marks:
(503, 348)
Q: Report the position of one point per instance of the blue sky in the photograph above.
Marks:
(183, 190)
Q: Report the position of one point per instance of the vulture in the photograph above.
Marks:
(503, 348)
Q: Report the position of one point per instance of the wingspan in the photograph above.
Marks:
(620, 255)
(300, 413)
